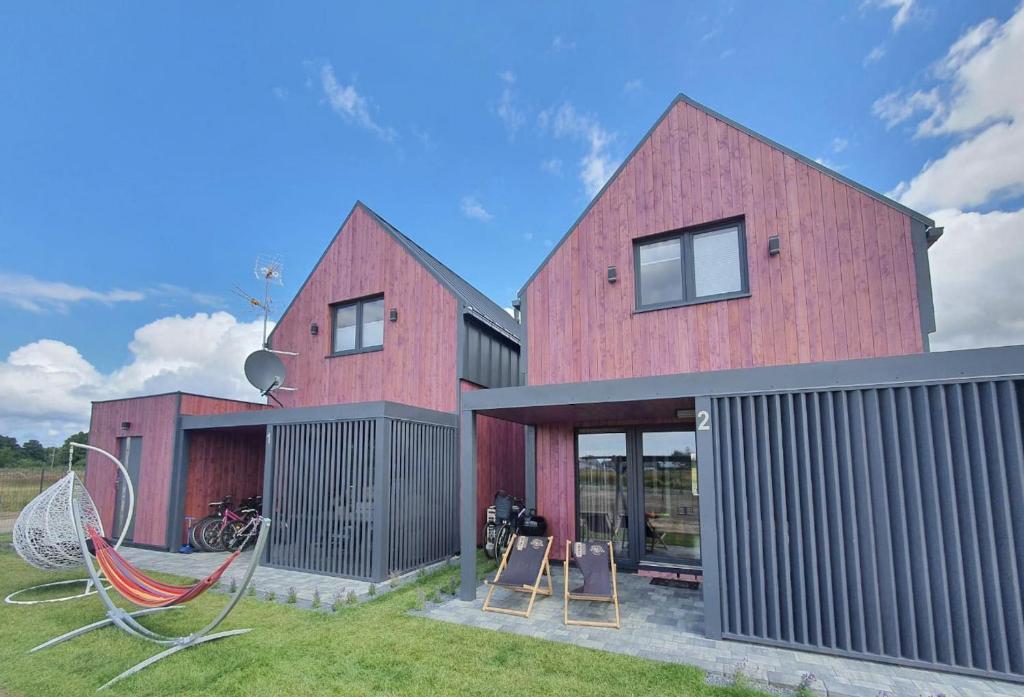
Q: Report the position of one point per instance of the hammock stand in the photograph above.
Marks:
(44, 535)
(126, 620)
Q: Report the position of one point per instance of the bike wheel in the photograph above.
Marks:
(209, 534)
(233, 537)
(195, 540)
(501, 540)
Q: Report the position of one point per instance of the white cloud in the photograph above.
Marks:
(874, 55)
(978, 101)
(904, 10)
(825, 162)
(559, 44)
(474, 210)
(35, 295)
(508, 111)
(552, 165)
(633, 86)
(978, 284)
(345, 101)
(597, 165)
(895, 108)
(839, 144)
(55, 384)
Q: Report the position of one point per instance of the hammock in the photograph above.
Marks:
(139, 588)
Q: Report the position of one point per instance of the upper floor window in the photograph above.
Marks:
(358, 325)
(691, 267)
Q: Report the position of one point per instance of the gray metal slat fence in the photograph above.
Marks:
(882, 522)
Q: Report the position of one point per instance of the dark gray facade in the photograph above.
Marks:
(870, 508)
(489, 359)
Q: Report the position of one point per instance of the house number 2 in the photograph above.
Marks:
(703, 420)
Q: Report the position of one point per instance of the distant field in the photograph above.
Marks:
(18, 486)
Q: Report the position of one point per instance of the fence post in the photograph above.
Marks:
(42, 473)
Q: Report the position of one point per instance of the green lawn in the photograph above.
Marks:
(370, 649)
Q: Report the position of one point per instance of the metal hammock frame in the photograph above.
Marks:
(58, 547)
(126, 621)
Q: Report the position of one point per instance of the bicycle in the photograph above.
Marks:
(509, 515)
(209, 532)
(239, 534)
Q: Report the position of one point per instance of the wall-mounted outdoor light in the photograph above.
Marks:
(613, 274)
(393, 315)
(314, 329)
(774, 246)
(125, 425)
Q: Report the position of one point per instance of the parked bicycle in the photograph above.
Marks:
(510, 517)
(239, 534)
(208, 534)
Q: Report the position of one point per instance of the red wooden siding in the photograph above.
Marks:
(417, 365)
(223, 462)
(500, 460)
(843, 287)
(556, 482)
(199, 405)
(153, 418)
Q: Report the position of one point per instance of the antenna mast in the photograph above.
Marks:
(267, 269)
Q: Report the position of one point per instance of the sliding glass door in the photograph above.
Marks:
(647, 477)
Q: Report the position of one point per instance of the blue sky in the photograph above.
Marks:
(147, 154)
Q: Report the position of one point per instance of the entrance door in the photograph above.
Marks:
(129, 452)
(638, 488)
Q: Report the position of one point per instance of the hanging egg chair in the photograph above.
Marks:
(45, 535)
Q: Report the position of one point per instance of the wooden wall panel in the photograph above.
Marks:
(200, 405)
(500, 460)
(556, 483)
(154, 419)
(843, 286)
(223, 462)
(418, 363)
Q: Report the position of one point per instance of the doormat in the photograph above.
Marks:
(675, 583)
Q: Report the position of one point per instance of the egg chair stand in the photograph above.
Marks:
(44, 535)
(140, 589)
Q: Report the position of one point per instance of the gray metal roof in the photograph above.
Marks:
(754, 134)
(477, 303)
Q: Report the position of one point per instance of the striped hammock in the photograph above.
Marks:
(139, 588)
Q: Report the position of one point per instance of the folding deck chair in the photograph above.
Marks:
(597, 562)
(524, 563)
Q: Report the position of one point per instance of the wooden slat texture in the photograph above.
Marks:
(843, 287)
(418, 363)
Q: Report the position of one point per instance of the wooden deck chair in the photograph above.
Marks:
(522, 566)
(597, 562)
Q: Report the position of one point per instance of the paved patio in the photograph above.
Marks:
(666, 624)
(267, 581)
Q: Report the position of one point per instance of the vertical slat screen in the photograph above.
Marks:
(322, 504)
(423, 498)
(884, 522)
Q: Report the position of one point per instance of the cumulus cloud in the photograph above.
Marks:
(977, 101)
(560, 43)
(633, 86)
(597, 165)
(346, 102)
(975, 104)
(55, 384)
(474, 210)
(874, 55)
(978, 284)
(35, 295)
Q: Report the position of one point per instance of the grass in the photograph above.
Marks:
(369, 649)
(19, 485)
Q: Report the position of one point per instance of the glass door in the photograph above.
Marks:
(671, 505)
(603, 489)
(644, 476)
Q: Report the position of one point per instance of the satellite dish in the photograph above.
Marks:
(264, 371)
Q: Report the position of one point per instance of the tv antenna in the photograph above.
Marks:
(268, 268)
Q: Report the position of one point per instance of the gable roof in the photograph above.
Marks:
(754, 134)
(476, 302)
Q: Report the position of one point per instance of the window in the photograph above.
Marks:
(691, 267)
(358, 326)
